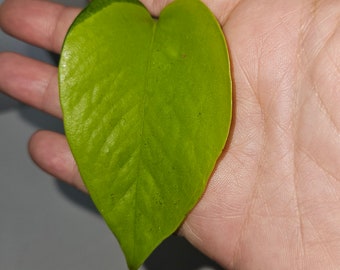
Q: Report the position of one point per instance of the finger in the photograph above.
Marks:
(50, 151)
(40, 23)
(30, 81)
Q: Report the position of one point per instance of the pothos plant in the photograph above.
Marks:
(147, 109)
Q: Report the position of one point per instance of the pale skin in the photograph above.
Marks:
(273, 201)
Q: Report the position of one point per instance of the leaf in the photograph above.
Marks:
(147, 109)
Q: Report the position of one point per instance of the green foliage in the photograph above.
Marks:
(147, 109)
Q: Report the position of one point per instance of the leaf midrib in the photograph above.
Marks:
(143, 105)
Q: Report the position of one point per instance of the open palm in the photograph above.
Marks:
(273, 201)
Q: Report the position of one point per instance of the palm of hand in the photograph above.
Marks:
(272, 201)
(274, 198)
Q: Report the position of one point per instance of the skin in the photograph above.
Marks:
(273, 201)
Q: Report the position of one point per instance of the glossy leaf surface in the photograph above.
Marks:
(147, 109)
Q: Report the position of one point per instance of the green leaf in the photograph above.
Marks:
(147, 109)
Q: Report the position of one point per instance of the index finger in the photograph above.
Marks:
(40, 23)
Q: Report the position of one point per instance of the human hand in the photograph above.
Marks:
(273, 199)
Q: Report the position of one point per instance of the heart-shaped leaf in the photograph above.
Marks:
(147, 109)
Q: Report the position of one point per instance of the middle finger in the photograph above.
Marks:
(30, 81)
